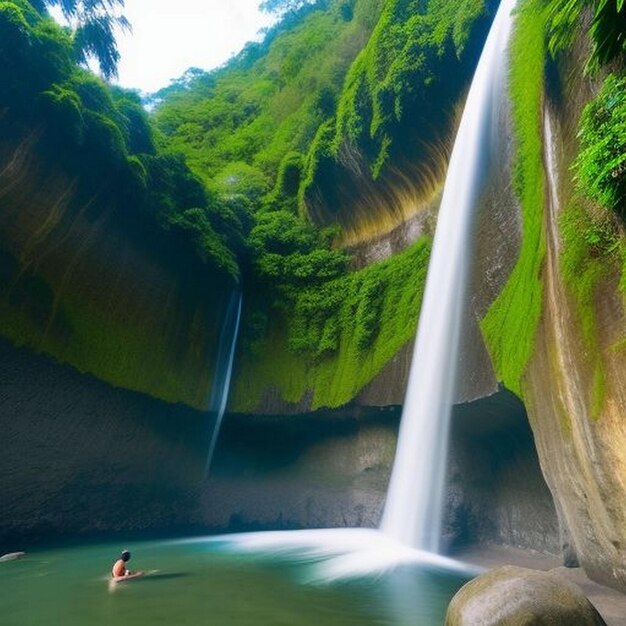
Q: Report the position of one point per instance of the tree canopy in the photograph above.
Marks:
(283, 6)
(94, 23)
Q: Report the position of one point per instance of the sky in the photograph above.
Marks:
(170, 36)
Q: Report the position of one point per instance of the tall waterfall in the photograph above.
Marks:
(414, 508)
(224, 367)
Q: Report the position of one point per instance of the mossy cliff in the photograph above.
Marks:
(344, 112)
(318, 327)
(335, 342)
(119, 252)
(89, 292)
(556, 329)
(110, 257)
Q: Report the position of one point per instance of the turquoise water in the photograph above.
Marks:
(214, 582)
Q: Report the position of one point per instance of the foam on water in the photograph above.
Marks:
(335, 554)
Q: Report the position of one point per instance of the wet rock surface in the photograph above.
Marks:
(83, 458)
(580, 446)
(515, 596)
(496, 492)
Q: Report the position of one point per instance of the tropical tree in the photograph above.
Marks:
(607, 29)
(94, 23)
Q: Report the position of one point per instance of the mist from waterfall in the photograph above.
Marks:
(414, 508)
(224, 367)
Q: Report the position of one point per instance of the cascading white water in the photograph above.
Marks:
(414, 507)
(224, 367)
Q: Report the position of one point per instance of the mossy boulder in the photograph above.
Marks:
(514, 596)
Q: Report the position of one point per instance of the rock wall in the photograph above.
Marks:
(82, 458)
(580, 446)
(496, 492)
(582, 455)
(83, 285)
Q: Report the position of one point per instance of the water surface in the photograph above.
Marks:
(221, 581)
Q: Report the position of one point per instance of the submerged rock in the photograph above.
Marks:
(12, 556)
(514, 596)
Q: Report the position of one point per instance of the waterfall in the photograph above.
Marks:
(414, 507)
(224, 367)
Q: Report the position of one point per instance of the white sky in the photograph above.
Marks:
(169, 36)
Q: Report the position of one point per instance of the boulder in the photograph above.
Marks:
(12, 556)
(514, 596)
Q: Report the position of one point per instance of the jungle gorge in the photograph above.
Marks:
(257, 237)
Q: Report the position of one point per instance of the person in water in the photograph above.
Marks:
(119, 568)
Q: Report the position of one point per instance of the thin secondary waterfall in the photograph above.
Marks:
(414, 508)
(224, 368)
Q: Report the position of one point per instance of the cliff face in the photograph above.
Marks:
(581, 449)
(92, 292)
(572, 384)
(82, 458)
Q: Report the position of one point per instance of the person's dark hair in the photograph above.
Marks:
(125, 555)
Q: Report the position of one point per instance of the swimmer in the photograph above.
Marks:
(119, 571)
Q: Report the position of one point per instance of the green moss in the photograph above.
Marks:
(509, 328)
(418, 61)
(400, 72)
(590, 254)
(373, 314)
(119, 347)
(593, 248)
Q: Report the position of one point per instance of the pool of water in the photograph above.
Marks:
(231, 580)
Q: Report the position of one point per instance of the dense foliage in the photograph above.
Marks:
(607, 30)
(103, 136)
(592, 222)
(335, 81)
(269, 101)
(601, 164)
(410, 69)
(94, 23)
(336, 337)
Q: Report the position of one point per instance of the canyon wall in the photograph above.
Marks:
(98, 291)
(580, 439)
(82, 458)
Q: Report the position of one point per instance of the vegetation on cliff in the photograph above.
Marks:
(337, 81)
(595, 192)
(340, 91)
(247, 119)
(399, 97)
(220, 182)
(94, 24)
(593, 219)
(592, 222)
(103, 136)
(335, 338)
(510, 324)
(89, 202)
